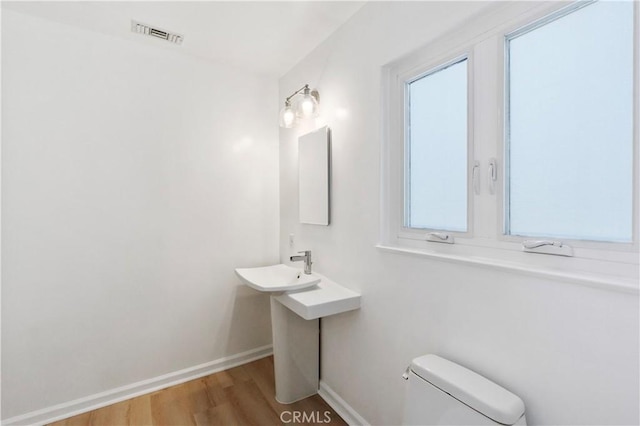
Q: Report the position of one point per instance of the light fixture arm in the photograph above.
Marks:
(303, 88)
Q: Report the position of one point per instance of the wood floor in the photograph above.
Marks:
(243, 395)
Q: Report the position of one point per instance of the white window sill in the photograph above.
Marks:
(600, 280)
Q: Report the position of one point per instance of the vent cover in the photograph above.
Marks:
(140, 28)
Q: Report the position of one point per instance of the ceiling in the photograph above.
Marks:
(264, 36)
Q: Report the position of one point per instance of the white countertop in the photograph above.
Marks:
(324, 299)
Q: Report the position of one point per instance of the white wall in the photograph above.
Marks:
(134, 180)
(570, 351)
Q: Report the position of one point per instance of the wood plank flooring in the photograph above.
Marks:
(243, 396)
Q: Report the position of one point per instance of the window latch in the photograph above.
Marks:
(493, 175)
(557, 248)
(439, 237)
(475, 177)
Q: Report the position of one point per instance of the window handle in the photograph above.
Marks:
(475, 176)
(439, 237)
(531, 244)
(557, 248)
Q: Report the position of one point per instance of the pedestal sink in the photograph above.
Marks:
(298, 301)
(276, 278)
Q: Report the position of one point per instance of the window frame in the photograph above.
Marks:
(591, 248)
(483, 40)
(420, 70)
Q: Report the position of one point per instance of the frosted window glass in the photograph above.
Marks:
(570, 143)
(437, 150)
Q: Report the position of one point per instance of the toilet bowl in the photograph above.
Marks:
(440, 392)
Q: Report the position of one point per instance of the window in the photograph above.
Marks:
(517, 134)
(570, 126)
(436, 173)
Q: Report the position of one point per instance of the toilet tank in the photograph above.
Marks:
(440, 392)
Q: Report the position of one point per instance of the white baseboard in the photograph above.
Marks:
(340, 406)
(102, 399)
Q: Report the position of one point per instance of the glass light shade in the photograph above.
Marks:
(307, 106)
(287, 117)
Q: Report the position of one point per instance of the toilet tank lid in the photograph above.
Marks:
(474, 390)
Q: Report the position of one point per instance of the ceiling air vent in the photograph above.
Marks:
(140, 28)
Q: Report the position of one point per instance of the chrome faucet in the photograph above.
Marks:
(306, 258)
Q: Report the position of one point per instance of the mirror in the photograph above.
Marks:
(314, 167)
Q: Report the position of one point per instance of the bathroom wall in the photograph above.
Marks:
(570, 351)
(134, 179)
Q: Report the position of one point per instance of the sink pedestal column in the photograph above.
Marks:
(296, 354)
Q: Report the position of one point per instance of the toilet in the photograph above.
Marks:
(441, 392)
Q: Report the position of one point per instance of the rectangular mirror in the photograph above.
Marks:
(314, 167)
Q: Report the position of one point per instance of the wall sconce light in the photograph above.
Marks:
(305, 106)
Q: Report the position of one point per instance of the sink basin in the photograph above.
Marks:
(276, 278)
